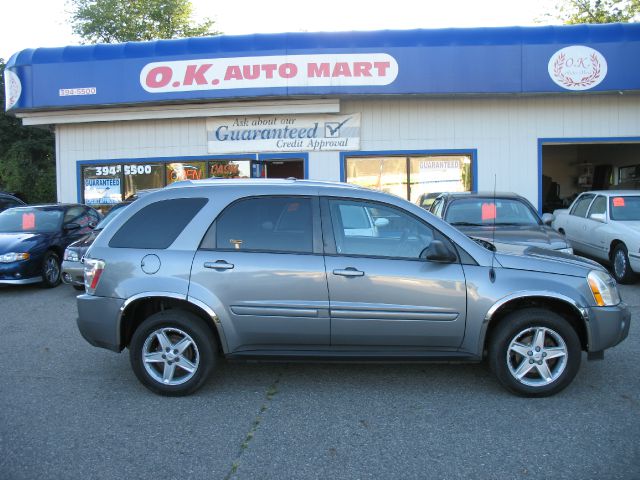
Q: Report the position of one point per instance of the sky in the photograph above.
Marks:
(43, 23)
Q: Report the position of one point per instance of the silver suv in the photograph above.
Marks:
(302, 269)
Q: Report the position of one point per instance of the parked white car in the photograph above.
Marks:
(605, 225)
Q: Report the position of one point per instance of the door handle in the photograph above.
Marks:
(219, 265)
(349, 272)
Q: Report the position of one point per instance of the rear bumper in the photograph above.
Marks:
(608, 326)
(98, 321)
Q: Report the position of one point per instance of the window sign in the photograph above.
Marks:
(230, 169)
(442, 173)
(102, 184)
(186, 171)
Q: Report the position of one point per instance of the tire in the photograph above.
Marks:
(50, 270)
(166, 330)
(620, 266)
(513, 342)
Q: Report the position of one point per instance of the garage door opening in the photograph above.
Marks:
(569, 169)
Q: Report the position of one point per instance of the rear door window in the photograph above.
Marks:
(599, 205)
(274, 224)
(157, 225)
(582, 205)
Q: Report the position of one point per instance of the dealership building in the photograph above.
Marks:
(546, 112)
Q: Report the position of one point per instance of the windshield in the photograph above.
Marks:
(487, 211)
(113, 213)
(625, 208)
(30, 220)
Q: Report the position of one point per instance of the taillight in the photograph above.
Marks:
(93, 269)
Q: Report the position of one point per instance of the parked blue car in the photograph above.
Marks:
(33, 239)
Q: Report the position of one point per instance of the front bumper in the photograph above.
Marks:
(20, 273)
(73, 273)
(99, 321)
(608, 326)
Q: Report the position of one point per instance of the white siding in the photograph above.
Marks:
(503, 130)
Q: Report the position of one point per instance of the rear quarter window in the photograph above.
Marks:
(158, 225)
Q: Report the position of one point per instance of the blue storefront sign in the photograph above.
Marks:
(587, 58)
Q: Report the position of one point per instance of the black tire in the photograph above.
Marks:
(175, 325)
(558, 335)
(620, 266)
(50, 270)
(80, 288)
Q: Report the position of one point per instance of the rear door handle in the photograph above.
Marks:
(219, 265)
(349, 272)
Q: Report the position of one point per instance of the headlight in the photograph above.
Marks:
(566, 250)
(13, 257)
(604, 288)
(71, 255)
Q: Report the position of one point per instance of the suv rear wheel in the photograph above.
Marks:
(172, 353)
(535, 352)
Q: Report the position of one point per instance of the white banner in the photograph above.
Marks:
(283, 133)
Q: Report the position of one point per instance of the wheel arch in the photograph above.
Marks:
(612, 246)
(57, 250)
(567, 308)
(138, 308)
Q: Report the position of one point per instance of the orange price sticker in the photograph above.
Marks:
(488, 211)
(618, 202)
(28, 221)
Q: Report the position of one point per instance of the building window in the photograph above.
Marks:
(410, 177)
(142, 176)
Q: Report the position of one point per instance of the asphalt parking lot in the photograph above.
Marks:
(69, 410)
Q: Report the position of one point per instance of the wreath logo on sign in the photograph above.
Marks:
(577, 67)
(13, 88)
(585, 81)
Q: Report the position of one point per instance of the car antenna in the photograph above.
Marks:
(492, 271)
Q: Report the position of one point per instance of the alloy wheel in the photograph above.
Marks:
(52, 270)
(537, 356)
(170, 356)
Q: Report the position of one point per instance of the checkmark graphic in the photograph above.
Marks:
(332, 129)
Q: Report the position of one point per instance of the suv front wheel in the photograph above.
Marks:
(535, 352)
(172, 353)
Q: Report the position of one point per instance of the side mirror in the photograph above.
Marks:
(438, 252)
(598, 217)
(71, 226)
(92, 224)
(547, 218)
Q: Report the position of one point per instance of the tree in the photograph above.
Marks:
(598, 11)
(112, 21)
(27, 165)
